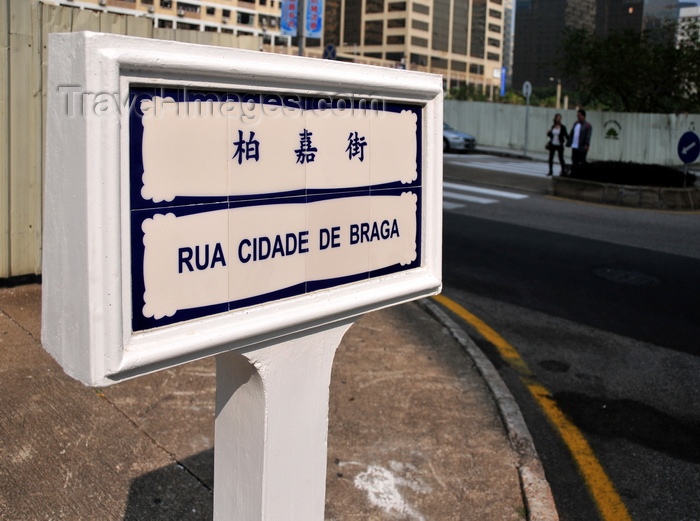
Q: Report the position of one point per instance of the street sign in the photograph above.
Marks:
(504, 76)
(527, 90)
(329, 52)
(689, 147)
(224, 210)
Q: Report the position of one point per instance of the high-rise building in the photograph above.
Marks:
(540, 26)
(539, 30)
(464, 40)
(243, 17)
(508, 41)
(617, 15)
(461, 39)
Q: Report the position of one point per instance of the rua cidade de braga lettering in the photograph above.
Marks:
(256, 249)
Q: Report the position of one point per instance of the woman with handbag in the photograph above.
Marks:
(557, 137)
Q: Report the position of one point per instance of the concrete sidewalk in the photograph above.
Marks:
(418, 429)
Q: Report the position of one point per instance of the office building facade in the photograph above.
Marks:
(540, 26)
(461, 39)
(241, 17)
(464, 40)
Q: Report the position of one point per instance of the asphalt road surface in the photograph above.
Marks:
(603, 304)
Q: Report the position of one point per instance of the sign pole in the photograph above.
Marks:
(271, 428)
(527, 92)
(301, 21)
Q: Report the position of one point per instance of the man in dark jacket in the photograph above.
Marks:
(580, 140)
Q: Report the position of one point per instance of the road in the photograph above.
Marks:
(602, 304)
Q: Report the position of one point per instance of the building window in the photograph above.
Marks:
(165, 24)
(374, 32)
(397, 6)
(460, 21)
(495, 28)
(475, 68)
(352, 23)
(374, 6)
(420, 8)
(146, 2)
(495, 14)
(395, 56)
(374, 55)
(493, 42)
(441, 26)
(396, 22)
(245, 18)
(190, 8)
(477, 44)
(492, 56)
(458, 66)
(331, 24)
(210, 28)
(419, 59)
(189, 27)
(166, 4)
(421, 26)
(419, 42)
(226, 13)
(395, 40)
(211, 11)
(438, 63)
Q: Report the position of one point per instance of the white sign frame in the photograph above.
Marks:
(86, 311)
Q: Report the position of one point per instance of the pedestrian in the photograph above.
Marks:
(557, 137)
(580, 140)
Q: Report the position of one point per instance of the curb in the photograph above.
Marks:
(535, 487)
(654, 198)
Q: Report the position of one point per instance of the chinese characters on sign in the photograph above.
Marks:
(306, 153)
(246, 149)
(356, 146)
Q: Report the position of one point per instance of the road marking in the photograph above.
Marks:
(447, 205)
(486, 191)
(454, 194)
(601, 488)
(468, 198)
(531, 168)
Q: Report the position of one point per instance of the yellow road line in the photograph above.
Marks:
(602, 489)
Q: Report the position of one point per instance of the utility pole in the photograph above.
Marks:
(300, 27)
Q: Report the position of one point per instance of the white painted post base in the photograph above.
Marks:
(272, 428)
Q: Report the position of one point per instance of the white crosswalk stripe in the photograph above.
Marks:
(531, 168)
(456, 195)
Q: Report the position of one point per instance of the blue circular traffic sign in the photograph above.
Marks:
(689, 147)
(329, 52)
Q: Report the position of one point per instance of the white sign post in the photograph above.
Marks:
(208, 201)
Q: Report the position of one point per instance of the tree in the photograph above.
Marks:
(651, 71)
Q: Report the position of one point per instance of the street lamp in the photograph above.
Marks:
(558, 104)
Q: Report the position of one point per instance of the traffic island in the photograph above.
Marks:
(653, 197)
(630, 184)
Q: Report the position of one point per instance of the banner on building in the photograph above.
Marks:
(314, 19)
(288, 23)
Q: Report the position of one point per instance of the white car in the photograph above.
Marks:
(456, 141)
